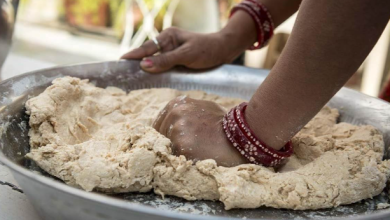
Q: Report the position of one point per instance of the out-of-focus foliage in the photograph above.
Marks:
(87, 12)
(101, 15)
(106, 13)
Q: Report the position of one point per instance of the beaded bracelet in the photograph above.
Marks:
(245, 141)
(262, 19)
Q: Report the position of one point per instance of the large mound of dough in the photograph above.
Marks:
(102, 139)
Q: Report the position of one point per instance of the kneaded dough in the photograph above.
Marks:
(102, 139)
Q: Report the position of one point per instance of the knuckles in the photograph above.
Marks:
(183, 145)
(178, 101)
(170, 38)
(163, 61)
(171, 30)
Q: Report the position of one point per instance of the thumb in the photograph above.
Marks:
(162, 62)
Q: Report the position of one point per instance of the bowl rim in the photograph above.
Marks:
(124, 204)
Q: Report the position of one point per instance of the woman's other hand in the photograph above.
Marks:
(179, 47)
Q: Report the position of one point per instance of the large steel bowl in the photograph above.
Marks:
(55, 200)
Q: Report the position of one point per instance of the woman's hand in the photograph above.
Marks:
(179, 47)
(195, 129)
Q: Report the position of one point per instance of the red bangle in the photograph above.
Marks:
(385, 94)
(245, 141)
(262, 19)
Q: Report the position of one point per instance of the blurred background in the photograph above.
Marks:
(58, 32)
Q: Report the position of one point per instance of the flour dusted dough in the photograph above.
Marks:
(102, 139)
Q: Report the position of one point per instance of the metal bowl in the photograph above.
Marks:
(55, 200)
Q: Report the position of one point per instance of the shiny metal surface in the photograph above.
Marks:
(55, 200)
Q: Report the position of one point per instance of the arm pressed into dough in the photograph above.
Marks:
(329, 41)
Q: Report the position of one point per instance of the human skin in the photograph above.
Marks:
(329, 41)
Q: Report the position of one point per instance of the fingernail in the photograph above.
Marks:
(146, 63)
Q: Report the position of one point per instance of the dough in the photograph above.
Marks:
(102, 139)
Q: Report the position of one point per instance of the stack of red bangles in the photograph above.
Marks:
(245, 141)
(262, 18)
(385, 94)
(234, 123)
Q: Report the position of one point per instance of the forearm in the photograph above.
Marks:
(240, 32)
(329, 41)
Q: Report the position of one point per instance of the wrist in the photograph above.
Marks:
(250, 146)
(226, 42)
(257, 121)
(239, 34)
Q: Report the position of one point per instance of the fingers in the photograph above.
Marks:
(161, 117)
(168, 40)
(172, 51)
(147, 49)
(166, 118)
(164, 62)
